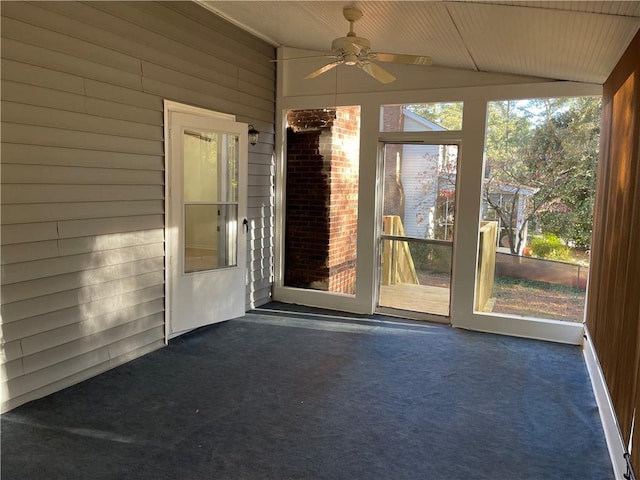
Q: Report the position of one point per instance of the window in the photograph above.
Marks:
(537, 203)
(421, 117)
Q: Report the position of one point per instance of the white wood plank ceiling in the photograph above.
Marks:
(564, 40)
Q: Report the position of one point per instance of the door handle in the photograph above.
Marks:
(245, 223)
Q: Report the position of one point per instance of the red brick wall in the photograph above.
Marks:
(306, 229)
(343, 226)
(322, 199)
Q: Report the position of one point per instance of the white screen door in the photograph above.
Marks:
(206, 249)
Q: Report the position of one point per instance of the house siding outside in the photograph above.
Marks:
(83, 175)
(419, 175)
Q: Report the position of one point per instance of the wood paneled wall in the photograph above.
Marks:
(613, 308)
(83, 175)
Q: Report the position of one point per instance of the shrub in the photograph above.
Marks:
(433, 258)
(549, 246)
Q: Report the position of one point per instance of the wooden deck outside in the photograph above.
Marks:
(416, 298)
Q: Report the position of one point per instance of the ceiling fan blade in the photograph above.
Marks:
(322, 70)
(401, 58)
(377, 72)
(326, 55)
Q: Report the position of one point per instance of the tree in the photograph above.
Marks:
(447, 115)
(506, 189)
(546, 149)
(577, 131)
(540, 163)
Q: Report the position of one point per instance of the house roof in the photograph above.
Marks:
(428, 124)
(565, 40)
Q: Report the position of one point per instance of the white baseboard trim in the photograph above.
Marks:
(612, 434)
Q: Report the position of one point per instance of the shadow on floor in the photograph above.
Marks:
(300, 395)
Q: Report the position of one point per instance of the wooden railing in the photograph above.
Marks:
(397, 263)
(486, 266)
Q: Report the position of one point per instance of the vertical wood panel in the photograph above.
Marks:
(613, 309)
(83, 174)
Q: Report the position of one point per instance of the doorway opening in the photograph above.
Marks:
(417, 227)
(321, 205)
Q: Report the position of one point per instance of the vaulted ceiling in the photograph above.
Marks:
(564, 40)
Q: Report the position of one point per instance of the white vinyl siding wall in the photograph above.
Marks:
(82, 214)
(419, 175)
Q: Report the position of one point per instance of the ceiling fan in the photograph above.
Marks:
(353, 50)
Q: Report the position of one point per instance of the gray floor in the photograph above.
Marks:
(288, 395)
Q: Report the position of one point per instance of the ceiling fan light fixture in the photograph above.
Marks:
(350, 59)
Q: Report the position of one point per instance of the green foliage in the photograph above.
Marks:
(576, 131)
(549, 246)
(509, 129)
(549, 146)
(447, 115)
(431, 258)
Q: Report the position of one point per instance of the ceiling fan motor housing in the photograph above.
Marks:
(350, 47)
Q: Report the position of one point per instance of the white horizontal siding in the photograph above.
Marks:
(69, 281)
(33, 155)
(25, 252)
(72, 246)
(104, 312)
(19, 74)
(419, 180)
(62, 335)
(45, 57)
(50, 117)
(30, 174)
(205, 100)
(44, 194)
(82, 259)
(10, 350)
(56, 137)
(119, 95)
(18, 394)
(88, 341)
(28, 232)
(195, 84)
(35, 95)
(19, 310)
(39, 212)
(20, 272)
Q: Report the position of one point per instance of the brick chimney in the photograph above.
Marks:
(322, 199)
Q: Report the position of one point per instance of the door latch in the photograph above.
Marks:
(245, 222)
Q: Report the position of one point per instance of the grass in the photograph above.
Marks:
(528, 298)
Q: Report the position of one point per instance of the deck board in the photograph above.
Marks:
(416, 298)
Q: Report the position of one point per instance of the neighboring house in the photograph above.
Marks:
(420, 167)
(427, 181)
(414, 174)
(505, 194)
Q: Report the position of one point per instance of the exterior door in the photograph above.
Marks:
(207, 220)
